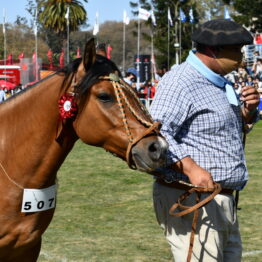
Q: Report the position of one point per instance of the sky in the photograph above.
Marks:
(111, 10)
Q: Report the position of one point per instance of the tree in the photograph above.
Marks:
(52, 14)
(184, 30)
(248, 13)
(19, 38)
(52, 21)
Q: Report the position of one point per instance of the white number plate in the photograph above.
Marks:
(36, 200)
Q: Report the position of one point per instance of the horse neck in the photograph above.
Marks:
(28, 149)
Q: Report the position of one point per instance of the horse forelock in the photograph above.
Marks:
(101, 67)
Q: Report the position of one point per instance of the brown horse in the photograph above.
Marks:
(37, 133)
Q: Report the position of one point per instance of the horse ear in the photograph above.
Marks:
(88, 59)
(89, 54)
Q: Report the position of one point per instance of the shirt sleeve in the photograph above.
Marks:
(171, 106)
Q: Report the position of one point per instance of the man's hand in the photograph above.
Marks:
(196, 174)
(251, 99)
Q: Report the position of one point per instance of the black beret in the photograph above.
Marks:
(219, 32)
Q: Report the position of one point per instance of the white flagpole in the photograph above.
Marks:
(180, 41)
(138, 54)
(67, 27)
(168, 41)
(124, 46)
(36, 49)
(124, 42)
(152, 56)
(4, 32)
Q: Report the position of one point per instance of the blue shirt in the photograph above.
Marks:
(198, 121)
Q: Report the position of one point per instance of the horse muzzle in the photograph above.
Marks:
(148, 153)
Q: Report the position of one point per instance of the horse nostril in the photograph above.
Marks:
(154, 150)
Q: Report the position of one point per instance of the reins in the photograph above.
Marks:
(190, 189)
(188, 209)
(122, 99)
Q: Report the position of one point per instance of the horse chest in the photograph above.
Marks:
(22, 231)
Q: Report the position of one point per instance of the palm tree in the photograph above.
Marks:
(52, 14)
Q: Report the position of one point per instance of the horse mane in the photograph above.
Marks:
(101, 67)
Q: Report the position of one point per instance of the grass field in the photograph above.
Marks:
(104, 211)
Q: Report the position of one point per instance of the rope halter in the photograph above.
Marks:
(119, 86)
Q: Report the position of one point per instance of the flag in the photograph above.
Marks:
(4, 21)
(78, 54)
(50, 58)
(153, 18)
(21, 56)
(126, 19)
(9, 59)
(67, 13)
(35, 66)
(182, 15)
(191, 16)
(226, 13)
(34, 57)
(143, 14)
(62, 59)
(169, 17)
(108, 51)
(96, 25)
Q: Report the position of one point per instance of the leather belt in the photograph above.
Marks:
(177, 185)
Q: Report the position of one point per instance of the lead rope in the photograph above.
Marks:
(9, 178)
(188, 209)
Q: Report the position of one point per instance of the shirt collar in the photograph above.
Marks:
(214, 78)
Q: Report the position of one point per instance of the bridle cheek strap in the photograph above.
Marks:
(153, 128)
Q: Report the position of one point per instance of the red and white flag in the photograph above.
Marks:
(143, 14)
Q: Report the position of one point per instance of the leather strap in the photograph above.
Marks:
(188, 209)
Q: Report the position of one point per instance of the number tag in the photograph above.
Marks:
(36, 200)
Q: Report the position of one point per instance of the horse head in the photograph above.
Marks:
(110, 114)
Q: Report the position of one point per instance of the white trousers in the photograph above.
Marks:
(217, 237)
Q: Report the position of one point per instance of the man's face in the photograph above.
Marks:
(229, 57)
(133, 78)
(232, 52)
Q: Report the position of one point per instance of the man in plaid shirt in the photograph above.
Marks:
(201, 119)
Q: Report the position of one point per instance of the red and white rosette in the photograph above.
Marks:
(67, 106)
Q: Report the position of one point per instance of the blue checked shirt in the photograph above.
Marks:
(199, 122)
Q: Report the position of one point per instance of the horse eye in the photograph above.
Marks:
(105, 97)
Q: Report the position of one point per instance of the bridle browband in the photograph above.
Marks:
(119, 85)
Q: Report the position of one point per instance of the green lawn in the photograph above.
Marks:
(104, 211)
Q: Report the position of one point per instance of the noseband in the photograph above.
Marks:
(119, 85)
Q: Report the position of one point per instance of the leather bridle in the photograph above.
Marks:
(119, 86)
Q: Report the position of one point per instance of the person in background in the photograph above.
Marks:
(257, 69)
(257, 56)
(249, 81)
(237, 88)
(2, 96)
(201, 120)
(101, 49)
(242, 72)
(131, 76)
